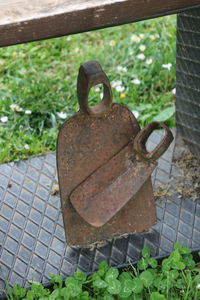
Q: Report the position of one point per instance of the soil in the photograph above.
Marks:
(186, 176)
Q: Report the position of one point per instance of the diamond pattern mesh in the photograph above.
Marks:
(188, 78)
(31, 228)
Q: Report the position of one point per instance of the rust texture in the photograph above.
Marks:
(108, 189)
(103, 167)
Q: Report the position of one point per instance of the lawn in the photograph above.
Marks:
(38, 81)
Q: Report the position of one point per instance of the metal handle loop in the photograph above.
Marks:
(91, 74)
(142, 137)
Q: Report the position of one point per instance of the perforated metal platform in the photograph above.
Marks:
(31, 228)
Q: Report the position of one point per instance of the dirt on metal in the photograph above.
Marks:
(104, 168)
(190, 166)
(187, 181)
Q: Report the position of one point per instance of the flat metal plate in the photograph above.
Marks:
(32, 240)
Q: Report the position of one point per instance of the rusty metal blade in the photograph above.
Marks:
(109, 188)
(105, 191)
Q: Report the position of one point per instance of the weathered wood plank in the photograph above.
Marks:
(25, 20)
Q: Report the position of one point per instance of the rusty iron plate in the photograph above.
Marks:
(109, 188)
(94, 137)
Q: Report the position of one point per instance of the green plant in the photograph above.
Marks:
(38, 81)
(176, 277)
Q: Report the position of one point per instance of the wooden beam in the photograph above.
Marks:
(24, 20)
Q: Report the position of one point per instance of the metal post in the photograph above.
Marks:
(188, 78)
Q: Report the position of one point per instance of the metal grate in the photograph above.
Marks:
(31, 228)
(188, 78)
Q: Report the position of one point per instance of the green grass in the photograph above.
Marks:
(41, 77)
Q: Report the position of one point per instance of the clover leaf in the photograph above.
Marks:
(74, 287)
(18, 291)
(111, 274)
(137, 285)
(146, 252)
(114, 287)
(125, 276)
(126, 289)
(102, 268)
(80, 276)
(100, 284)
(64, 292)
(56, 279)
(147, 278)
(142, 264)
(157, 296)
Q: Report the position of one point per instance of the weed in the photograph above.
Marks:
(176, 278)
(38, 81)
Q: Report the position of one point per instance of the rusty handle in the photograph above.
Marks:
(91, 74)
(142, 137)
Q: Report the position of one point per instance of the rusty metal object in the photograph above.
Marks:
(104, 168)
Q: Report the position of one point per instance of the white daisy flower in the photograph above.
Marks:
(136, 81)
(62, 115)
(26, 146)
(167, 66)
(135, 113)
(141, 35)
(154, 36)
(4, 119)
(141, 56)
(112, 43)
(97, 89)
(28, 112)
(135, 38)
(142, 47)
(174, 91)
(149, 61)
(15, 107)
(122, 69)
(120, 88)
(116, 83)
